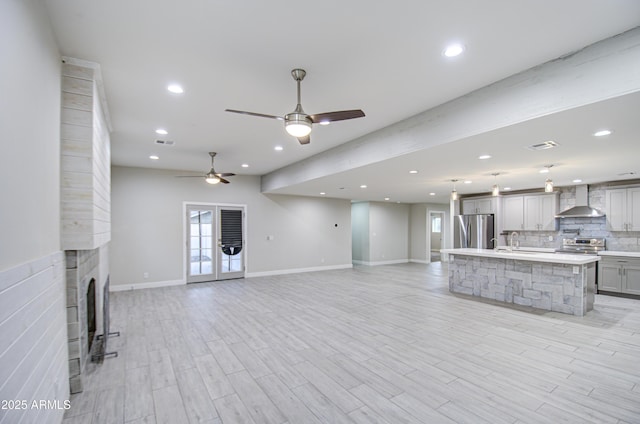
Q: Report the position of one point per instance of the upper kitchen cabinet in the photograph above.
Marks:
(479, 205)
(540, 212)
(623, 209)
(513, 213)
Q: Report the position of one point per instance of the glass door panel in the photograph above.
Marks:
(231, 243)
(215, 243)
(200, 258)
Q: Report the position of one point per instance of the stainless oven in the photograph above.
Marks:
(584, 246)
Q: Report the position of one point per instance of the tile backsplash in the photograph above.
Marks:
(626, 241)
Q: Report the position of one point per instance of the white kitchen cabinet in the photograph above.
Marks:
(513, 213)
(619, 275)
(623, 209)
(540, 212)
(479, 205)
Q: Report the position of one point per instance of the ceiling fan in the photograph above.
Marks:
(211, 177)
(298, 123)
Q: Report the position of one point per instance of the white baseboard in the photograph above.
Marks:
(296, 270)
(149, 285)
(374, 263)
(419, 261)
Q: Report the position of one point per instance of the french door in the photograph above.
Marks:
(215, 243)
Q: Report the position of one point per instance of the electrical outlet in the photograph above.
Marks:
(145, 275)
(576, 270)
(550, 238)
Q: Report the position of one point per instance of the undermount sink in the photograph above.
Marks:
(521, 252)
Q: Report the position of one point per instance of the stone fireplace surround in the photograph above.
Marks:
(82, 266)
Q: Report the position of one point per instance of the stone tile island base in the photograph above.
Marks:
(542, 285)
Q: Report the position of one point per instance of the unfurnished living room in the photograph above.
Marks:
(338, 212)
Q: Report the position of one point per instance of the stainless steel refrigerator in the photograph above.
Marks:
(474, 231)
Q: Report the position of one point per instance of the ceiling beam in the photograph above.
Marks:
(604, 70)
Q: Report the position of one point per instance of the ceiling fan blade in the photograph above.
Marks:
(304, 140)
(260, 115)
(225, 174)
(336, 116)
(223, 181)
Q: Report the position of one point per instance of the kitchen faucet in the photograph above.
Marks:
(511, 241)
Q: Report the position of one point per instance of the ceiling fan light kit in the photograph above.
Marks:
(298, 123)
(212, 177)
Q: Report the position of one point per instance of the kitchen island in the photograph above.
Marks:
(550, 281)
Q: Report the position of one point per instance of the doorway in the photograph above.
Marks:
(436, 235)
(215, 247)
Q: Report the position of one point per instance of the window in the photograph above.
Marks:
(436, 224)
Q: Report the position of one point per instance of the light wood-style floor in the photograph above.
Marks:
(386, 344)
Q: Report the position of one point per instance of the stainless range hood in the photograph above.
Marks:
(582, 208)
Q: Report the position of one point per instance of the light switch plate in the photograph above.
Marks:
(576, 270)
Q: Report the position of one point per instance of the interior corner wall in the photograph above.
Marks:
(306, 233)
(389, 232)
(360, 232)
(33, 346)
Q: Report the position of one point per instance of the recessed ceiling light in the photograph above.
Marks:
(432, 194)
(484, 157)
(245, 165)
(162, 131)
(577, 180)
(544, 171)
(602, 133)
(322, 193)
(278, 148)
(175, 89)
(413, 171)
(154, 157)
(468, 182)
(506, 188)
(363, 186)
(453, 50)
(387, 198)
(324, 122)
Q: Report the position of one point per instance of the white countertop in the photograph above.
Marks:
(523, 255)
(619, 253)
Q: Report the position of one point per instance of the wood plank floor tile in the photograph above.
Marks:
(169, 406)
(259, 405)
(197, 402)
(232, 410)
(381, 344)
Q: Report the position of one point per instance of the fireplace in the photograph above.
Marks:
(84, 309)
(91, 313)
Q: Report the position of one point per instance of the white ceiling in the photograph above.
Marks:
(382, 57)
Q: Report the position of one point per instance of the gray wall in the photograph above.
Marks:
(147, 226)
(389, 232)
(33, 329)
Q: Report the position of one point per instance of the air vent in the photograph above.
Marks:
(165, 142)
(543, 146)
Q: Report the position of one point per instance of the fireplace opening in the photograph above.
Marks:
(91, 313)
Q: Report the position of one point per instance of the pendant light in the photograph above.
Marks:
(495, 190)
(548, 184)
(454, 193)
